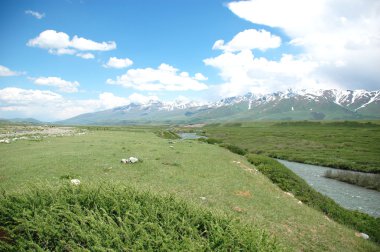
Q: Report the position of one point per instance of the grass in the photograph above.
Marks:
(368, 181)
(200, 174)
(344, 145)
(290, 182)
(167, 134)
(115, 217)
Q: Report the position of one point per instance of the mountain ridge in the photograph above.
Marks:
(331, 104)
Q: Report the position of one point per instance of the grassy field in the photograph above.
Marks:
(345, 145)
(203, 175)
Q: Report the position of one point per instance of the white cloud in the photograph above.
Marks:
(114, 62)
(17, 102)
(59, 43)
(200, 77)
(165, 77)
(83, 44)
(330, 32)
(248, 40)
(242, 73)
(5, 72)
(35, 14)
(86, 55)
(62, 85)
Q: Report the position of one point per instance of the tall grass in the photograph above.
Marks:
(370, 181)
(290, 182)
(109, 217)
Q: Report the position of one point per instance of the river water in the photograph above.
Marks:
(185, 135)
(347, 195)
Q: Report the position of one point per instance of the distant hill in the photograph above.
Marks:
(290, 105)
(21, 121)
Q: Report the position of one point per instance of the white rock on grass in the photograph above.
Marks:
(130, 160)
(5, 141)
(364, 236)
(75, 182)
(133, 160)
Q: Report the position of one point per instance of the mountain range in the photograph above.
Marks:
(286, 105)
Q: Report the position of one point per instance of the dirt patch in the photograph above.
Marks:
(4, 236)
(246, 194)
(238, 209)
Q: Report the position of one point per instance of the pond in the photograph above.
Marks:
(347, 195)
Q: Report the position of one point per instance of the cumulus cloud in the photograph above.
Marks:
(60, 43)
(86, 55)
(242, 72)
(114, 62)
(248, 40)
(342, 36)
(62, 85)
(5, 72)
(17, 102)
(35, 14)
(165, 77)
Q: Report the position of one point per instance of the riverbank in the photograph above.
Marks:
(369, 181)
(290, 182)
(342, 145)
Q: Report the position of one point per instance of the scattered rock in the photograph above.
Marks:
(362, 235)
(171, 146)
(7, 141)
(75, 182)
(299, 202)
(130, 160)
(202, 198)
(289, 194)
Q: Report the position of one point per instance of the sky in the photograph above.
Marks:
(62, 58)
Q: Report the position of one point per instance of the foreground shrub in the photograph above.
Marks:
(118, 218)
(288, 181)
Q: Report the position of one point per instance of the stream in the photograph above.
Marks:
(347, 195)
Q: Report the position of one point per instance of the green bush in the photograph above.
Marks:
(117, 218)
(210, 140)
(234, 149)
(290, 182)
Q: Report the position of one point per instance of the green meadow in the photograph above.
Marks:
(212, 193)
(344, 145)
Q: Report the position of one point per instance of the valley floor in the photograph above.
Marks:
(202, 174)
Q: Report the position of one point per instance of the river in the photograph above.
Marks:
(347, 195)
(185, 135)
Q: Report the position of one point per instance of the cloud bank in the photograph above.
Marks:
(339, 41)
(31, 102)
(165, 77)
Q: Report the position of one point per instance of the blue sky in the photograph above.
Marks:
(62, 58)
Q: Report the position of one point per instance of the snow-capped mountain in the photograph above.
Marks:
(286, 105)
